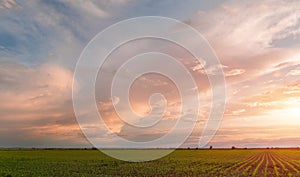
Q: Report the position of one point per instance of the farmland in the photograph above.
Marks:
(258, 162)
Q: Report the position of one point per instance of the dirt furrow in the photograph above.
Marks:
(244, 169)
(284, 170)
(270, 168)
(265, 165)
(234, 167)
(276, 167)
(288, 167)
(258, 167)
(294, 165)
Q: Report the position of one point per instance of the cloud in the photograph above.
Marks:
(257, 136)
(119, 1)
(243, 34)
(87, 7)
(238, 112)
(36, 102)
(235, 72)
(264, 103)
(7, 4)
(294, 72)
(213, 69)
(210, 70)
(277, 94)
(284, 64)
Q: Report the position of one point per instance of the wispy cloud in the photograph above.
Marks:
(294, 72)
(235, 72)
(7, 4)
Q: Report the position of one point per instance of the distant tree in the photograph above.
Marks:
(210, 147)
(233, 147)
(188, 148)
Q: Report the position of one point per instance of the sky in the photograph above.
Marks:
(257, 43)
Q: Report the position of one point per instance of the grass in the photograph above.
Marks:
(179, 163)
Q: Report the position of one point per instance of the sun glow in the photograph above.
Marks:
(293, 112)
(290, 115)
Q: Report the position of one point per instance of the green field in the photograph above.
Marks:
(262, 162)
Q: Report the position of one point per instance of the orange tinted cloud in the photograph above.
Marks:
(37, 101)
